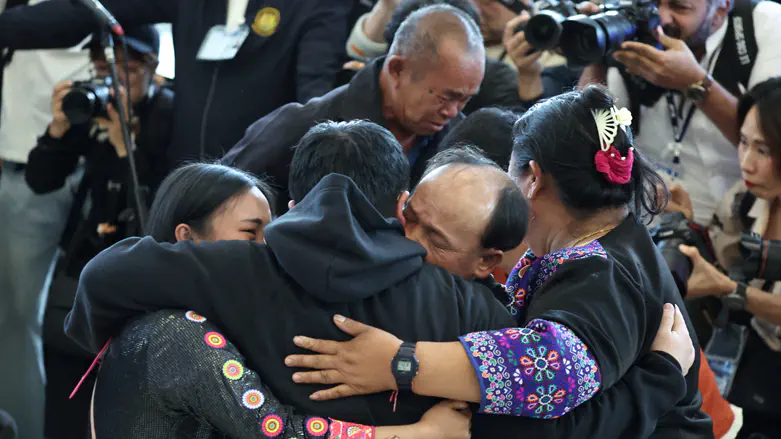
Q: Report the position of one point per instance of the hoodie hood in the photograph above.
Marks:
(338, 247)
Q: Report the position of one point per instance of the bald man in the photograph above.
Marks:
(417, 92)
(465, 212)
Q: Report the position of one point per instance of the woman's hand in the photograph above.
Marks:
(673, 338)
(360, 366)
(447, 420)
(706, 280)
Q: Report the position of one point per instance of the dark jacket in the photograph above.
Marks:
(266, 149)
(217, 101)
(332, 253)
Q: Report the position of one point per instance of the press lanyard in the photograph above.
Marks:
(676, 114)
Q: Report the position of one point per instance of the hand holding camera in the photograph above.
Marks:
(112, 123)
(60, 123)
(706, 279)
(674, 68)
(525, 58)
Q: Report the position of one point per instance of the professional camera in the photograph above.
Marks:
(585, 40)
(761, 258)
(87, 100)
(673, 231)
(543, 30)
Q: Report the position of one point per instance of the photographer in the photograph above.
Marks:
(687, 99)
(754, 206)
(104, 209)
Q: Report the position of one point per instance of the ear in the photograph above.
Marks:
(536, 183)
(396, 66)
(400, 204)
(290, 204)
(491, 259)
(184, 232)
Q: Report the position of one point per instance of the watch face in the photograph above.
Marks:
(404, 366)
(734, 301)
(696, 93)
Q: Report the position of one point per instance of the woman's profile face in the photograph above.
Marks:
(757, 164)
(241, 218)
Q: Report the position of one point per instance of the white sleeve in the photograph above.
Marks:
(767, 17)
(360, 47)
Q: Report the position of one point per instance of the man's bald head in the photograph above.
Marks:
(466, 211)
(422, 34)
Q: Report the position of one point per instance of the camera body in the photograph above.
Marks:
(585, 40)
(544, 29)
(673, 231)
(761, 258)
(87, 100)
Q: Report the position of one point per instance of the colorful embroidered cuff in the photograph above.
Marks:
(540, 371)
(347, 430)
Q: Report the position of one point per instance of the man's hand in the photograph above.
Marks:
(526, 60)
(674, 68)
(673, 338)
(60, 123)
(447, 420)
(705, 280)
(680, 202)
(360, 366)
(113, 125)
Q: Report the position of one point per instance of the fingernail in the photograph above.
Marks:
(289, 362)
(668, 307)
(299, 340)
(296, 377)
(314, 397)
(339, 318)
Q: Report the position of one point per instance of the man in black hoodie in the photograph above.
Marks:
(335, 252)
(292, 54)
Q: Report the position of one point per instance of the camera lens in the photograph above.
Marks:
(543, 31)
(79, 105)
(586, 40)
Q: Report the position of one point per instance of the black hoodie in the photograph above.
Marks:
(332, 253)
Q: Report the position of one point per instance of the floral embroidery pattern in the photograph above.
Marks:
(532, 272)
(347, 430)
(214, 339)
(317, 426)
(272, 426)
(542, 370)
(253, 399)
(194, 317)
(233, 370)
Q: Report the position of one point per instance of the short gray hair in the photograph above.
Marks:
(420, 35)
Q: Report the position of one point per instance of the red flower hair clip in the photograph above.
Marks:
(617, 169)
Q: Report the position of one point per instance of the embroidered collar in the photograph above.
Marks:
(532, 272)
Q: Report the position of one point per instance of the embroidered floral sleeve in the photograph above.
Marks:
(223, 391)
(541, 371)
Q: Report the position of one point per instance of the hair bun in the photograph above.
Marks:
(597, 97)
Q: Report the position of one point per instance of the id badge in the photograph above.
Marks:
(670, 164)
(221, 44)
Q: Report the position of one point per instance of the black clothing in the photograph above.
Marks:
(266, 149)
(217, 101)
(144, 392)
(362, 267)
(333, 253)
(613, 303)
